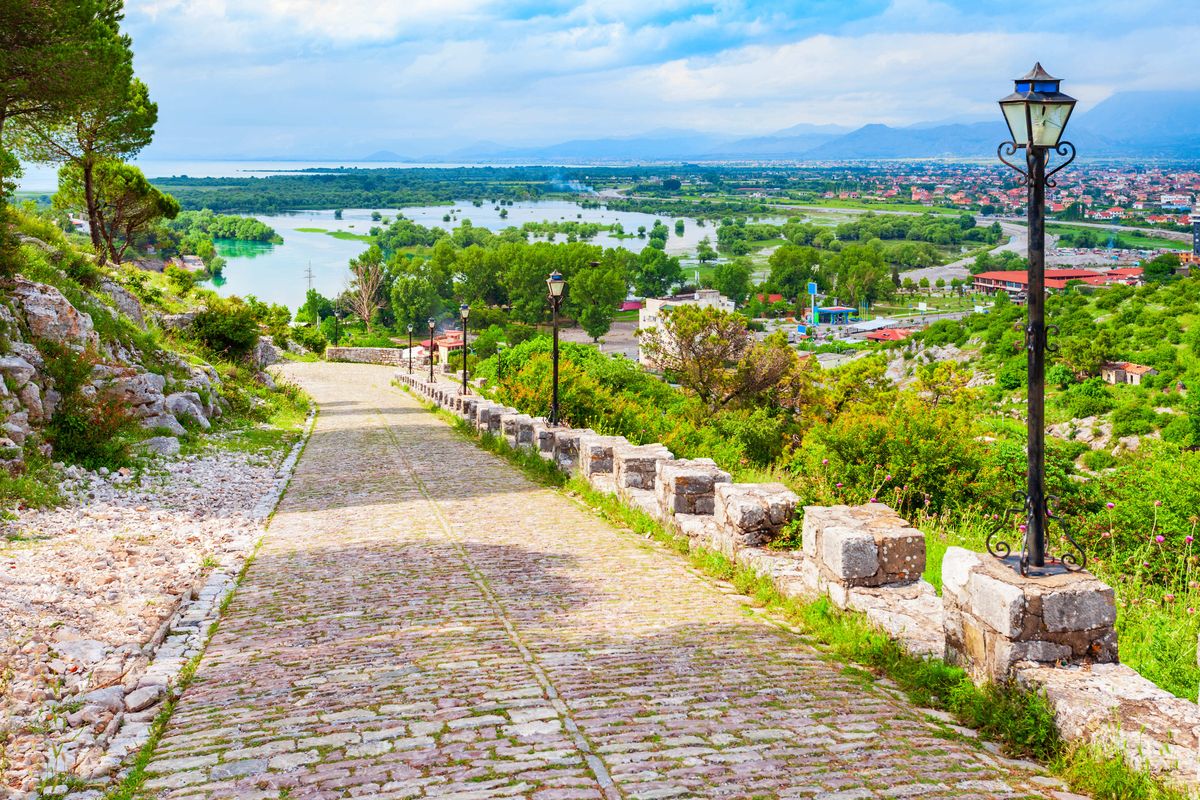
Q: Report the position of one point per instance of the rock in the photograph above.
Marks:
(125, 302)
(16, 370)
(30, 396)
(187, 405)
(141, 699)
(265, 379)
(51, 316)
(164, 422)
(754, 513)
(177, 322)
(265, 353)
(82, 651)
(110, 698)
(161, 446)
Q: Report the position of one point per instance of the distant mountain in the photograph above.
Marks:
(1147, 123)
(385, 155)
(657, 145)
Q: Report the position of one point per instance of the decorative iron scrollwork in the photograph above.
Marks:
(1002, 549)
(1063, 149)
(1010, 149)
(1050, 346)
(1073, 558)
(1071, 561)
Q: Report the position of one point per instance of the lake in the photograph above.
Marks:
(277, 273)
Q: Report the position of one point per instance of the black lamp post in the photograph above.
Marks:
(1036, 113)
(410, 327)
(464, 311)
(556, 283)
(432, 328)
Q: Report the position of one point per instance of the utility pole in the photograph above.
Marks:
(308, 273)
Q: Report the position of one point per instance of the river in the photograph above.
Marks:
(278, 273)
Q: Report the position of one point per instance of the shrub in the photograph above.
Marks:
(91, 431)
(310, 338)
(226, 327)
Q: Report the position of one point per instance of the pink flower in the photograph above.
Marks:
(1145, 563)
(1189, 538)
(1157, 503)
(1191, 610)
(838, 485)
(1160, 538)
(874, 500)
(887, 478)
(824, 460)
(1105, 535)
(1170, 598)
(1022, 528)
(1110, 506)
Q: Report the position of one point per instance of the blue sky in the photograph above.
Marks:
(343, 78)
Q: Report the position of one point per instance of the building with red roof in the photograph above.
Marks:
(1017, 281)
(890, 335)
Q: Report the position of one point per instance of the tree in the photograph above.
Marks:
(732, 279)
(713, 354)
(656, 273)
(705, 251)
(594, 294)
(53, 54)
(367, 271)
(792, 267)
(1161, 269)
(862, 274)
(125, 204)
(679, 227)
(316, 308)
(113, 123)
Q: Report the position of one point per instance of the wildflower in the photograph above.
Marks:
(1160, 538)
(1105, 535)
(1022, 527)
(874, 500)
(1170, 598)
(838, 485)
(1157, 503)
(824, 460)
(887, 478)
(1110, 506)
(1145, 563)
(1189, 538)
(1191, 610)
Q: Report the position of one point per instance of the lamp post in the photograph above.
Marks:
(556, 283)
(1036, 113)
(464, 311)
(410, 327)
(432, 328)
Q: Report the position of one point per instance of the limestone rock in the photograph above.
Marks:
(161, 445)
(51, 316)
(125, 302)
(187, 405)
(265, 353)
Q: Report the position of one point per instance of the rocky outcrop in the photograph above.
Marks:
(124, 301)
(51, 317)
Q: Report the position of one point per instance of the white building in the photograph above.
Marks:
(705, 298)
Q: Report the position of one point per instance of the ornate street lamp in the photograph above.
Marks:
(556, 283)
(410, 329)
(1036, 113)
(432, 328)
(464, 311)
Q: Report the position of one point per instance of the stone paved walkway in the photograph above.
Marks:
(424, 622)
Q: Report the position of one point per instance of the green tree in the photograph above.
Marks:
(1161, 269)
(594, 294)
(316, 308)
(792, 267)
(732, 279)
(679, 227)
(126, 205)
(414, 296)
(862, 274)
(705, 251)
(112, 124)
(656, 273)
(53, 55)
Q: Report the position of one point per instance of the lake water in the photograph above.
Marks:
(277, 273)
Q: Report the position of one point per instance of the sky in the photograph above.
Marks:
(342, 79)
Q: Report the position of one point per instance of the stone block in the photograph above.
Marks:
(688, 486)
(525, 426)
(635, 466)
(753, 514)
(847, 541)
(566, 447)
(995, 618)
(596, 453)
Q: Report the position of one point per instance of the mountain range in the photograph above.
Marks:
(1160, 124)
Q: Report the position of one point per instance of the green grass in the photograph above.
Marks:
(1122, 240)
(916, 208)
(344, 235)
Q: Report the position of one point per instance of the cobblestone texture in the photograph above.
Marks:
(424, 622)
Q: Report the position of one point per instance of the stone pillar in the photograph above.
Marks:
(596, 459)
(688, 486)
(867, 545)
(510, 425)
(634, 470)
(566, 447)
(995, 618)
(753, 514)
(543, 438)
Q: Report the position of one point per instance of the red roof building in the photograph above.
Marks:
(890, 335)
(769, 298)
(1017, 281)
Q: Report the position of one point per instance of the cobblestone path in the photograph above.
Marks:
(423, 622)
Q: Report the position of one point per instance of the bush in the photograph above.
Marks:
(1088, 399)
(310, 338)
(181, 280)
(226, 327)
(91, 431)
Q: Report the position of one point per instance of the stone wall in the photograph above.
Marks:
(389, 356)
(1054, 635)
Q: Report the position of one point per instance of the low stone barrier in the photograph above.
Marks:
(370, 355)
(1054, 635)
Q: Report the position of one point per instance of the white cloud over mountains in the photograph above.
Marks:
(344, 77)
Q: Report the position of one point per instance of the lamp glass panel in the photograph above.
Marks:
(1014, 115)
(1048, 120)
